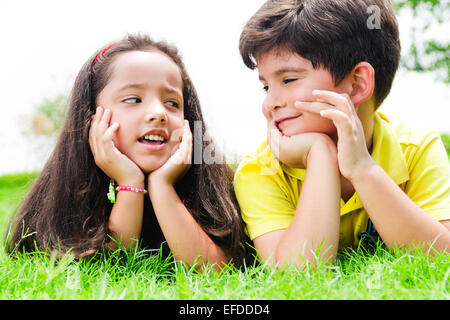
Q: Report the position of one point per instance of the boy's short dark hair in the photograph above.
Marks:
(334, 34)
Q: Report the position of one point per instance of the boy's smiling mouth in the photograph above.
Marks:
(284, 122)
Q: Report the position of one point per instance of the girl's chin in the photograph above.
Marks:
(151, 165)
(150, 168)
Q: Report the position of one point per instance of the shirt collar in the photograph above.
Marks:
(387, 151)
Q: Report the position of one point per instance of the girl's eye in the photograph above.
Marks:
(173, 103)
(265, 88)
(132, 100)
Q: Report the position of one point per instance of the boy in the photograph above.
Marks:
(334, 172)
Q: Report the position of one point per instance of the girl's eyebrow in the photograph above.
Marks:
(133, 86)
(168, 89)
(286, 70)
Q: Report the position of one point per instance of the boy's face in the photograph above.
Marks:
(287, 78)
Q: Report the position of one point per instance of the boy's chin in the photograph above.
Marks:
(291, 133)
(299, 132)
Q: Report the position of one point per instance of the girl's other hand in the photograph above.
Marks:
(179, 162)
(107, 157)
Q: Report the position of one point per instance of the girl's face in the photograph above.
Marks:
(145, 95)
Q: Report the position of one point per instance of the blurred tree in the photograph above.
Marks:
(426, 53)
(49, 115)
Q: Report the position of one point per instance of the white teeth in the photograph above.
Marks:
(153, 138)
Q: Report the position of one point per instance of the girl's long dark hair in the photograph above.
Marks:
(67, 208)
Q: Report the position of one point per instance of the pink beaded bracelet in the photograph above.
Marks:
(133, 189)
(112, 191)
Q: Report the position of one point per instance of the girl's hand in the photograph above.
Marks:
(107, 157)
(295, 150)
(179, 162)
(353, 155)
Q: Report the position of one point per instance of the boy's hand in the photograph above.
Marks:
(294, 150)
(179, 162)
(107, 157)
(353, 156)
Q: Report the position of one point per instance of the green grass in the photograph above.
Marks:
(446, 139)
(136, 275)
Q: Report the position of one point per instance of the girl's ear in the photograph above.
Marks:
(363, 82)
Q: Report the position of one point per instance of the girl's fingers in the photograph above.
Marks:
(101, 135)
(98, 114)
(186, 143)
(109, 134)
(94, 129)
(187, 136)
(104, 118)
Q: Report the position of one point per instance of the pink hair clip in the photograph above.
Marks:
(102, 53)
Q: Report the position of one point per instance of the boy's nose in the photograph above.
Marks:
(273, 101)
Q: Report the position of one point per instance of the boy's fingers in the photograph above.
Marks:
(340, 119)
(274, 136)
(340, 101)
(313, 107)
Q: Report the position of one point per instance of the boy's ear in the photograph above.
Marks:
(363, 82)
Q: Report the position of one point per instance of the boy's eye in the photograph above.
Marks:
(132, 100)
(266, 88)
(289, 80)
(173, 103)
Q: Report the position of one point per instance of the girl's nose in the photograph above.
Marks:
(156, 113)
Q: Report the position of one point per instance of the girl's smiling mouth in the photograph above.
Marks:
(154, 140)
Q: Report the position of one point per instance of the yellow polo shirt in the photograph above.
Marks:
(268, 191)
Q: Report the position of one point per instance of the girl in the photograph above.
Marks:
(138, 137)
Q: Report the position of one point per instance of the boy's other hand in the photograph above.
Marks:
(295, 150)
(353, 155)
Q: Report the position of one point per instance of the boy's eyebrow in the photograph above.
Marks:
(286, 70)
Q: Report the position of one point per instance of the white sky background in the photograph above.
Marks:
(45, 43)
